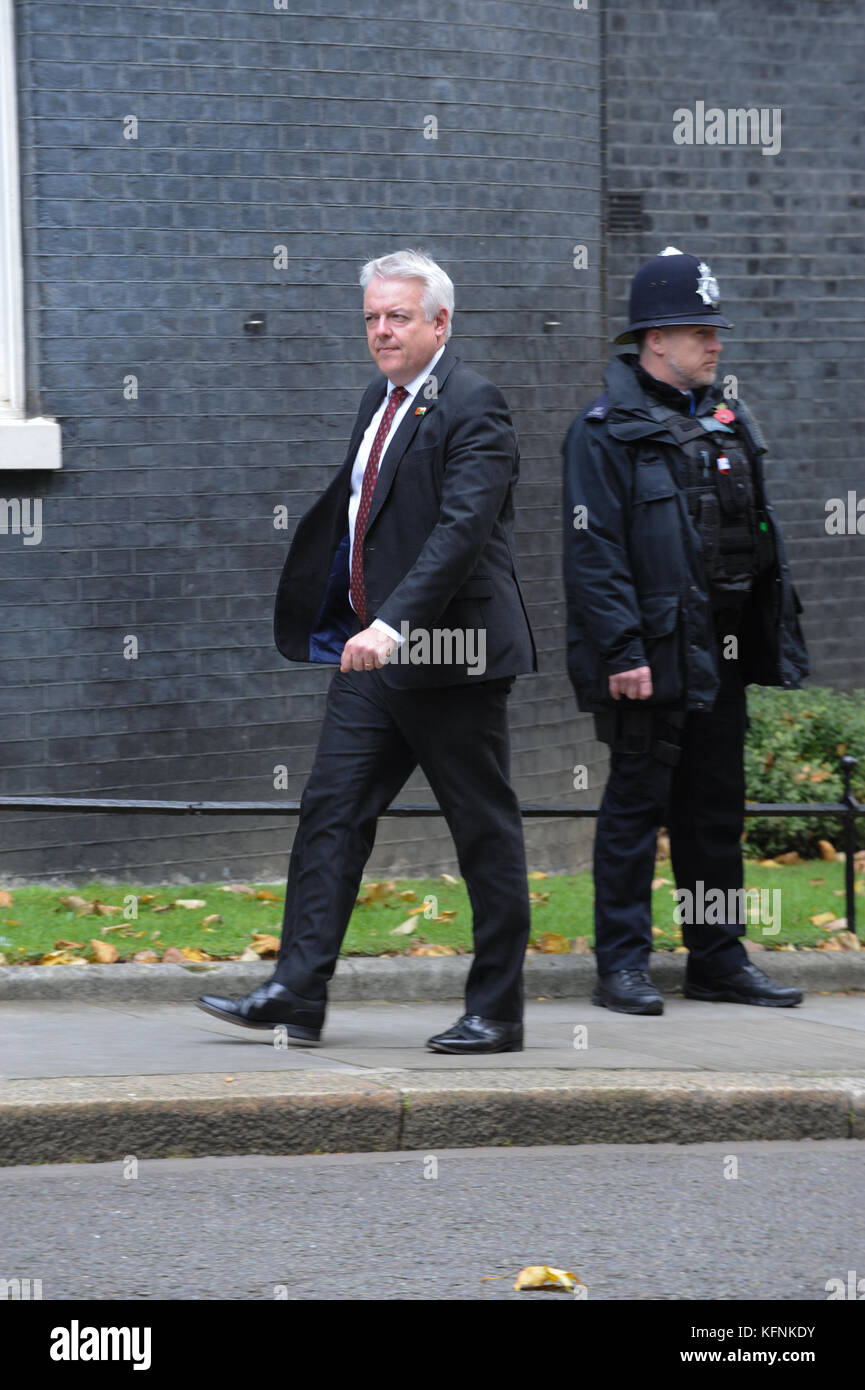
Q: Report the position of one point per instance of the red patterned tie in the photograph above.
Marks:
(358, 597)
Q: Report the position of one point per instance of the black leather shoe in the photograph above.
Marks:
(471, 1034)
(745, 986)
(628, 992)
(265, 1007)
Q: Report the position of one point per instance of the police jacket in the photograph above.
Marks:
(635, 580)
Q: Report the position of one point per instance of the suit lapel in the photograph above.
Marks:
(370, 402)
(406, 432)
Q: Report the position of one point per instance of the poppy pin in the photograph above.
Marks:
(724, 414)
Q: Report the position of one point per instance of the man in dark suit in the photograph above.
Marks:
(403, 573)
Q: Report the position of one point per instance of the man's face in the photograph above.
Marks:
(401, 339)
(685, 355)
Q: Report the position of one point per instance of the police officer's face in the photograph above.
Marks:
(687, 355)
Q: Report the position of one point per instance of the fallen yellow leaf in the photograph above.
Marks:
(405, 928)
(62, 958)
(377, 892)
(6, 899)
(546, 1277)
(73, 902)
(553, 944)
(102, 952)
(190, 903)
(263, 944)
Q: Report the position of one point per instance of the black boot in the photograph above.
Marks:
(628, 992)
(747, 985)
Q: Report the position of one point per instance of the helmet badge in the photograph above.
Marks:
(707, 285)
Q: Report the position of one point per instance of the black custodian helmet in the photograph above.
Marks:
(673, 288)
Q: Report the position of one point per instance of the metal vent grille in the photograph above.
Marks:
(624, 212)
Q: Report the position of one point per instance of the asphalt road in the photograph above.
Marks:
(642, 1222)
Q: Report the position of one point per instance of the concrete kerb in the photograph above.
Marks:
(398, 979)
(107, 1118)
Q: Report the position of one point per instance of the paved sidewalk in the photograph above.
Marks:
(95, 1081)
(823, 1035)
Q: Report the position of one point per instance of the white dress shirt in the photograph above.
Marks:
(362, 458)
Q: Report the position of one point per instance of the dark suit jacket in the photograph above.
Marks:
(438, 550)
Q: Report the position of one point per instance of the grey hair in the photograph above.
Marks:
(438, 291)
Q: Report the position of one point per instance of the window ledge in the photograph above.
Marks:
(33, 443)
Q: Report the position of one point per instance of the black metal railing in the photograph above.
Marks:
(848, 810)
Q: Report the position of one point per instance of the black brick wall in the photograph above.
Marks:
(260, 128)
(783, 234)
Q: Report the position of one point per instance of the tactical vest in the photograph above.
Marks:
(717, 480)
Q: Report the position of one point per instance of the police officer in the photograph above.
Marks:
(678, 596)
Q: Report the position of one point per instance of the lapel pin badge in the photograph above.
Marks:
(421, 410)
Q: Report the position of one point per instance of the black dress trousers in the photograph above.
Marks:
(701, 801)
(372, 738)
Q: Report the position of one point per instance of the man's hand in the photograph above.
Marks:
(367, 650)
(634, 685)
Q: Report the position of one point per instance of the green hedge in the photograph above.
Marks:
(792, 751)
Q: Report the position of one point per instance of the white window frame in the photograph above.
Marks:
(34, 442)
